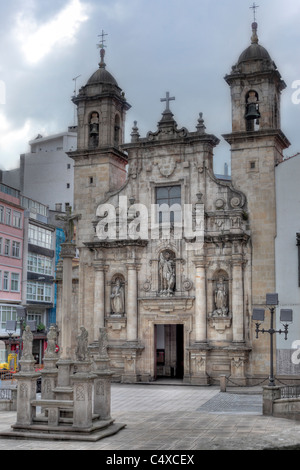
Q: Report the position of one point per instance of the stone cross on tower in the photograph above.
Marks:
(101, 47)
(167, 99)
(254, 7)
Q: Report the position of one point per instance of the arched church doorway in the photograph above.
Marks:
(169, 348)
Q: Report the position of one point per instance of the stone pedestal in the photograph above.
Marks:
(102, 387)
(269, 395)
(64, 390)
(130, 353)
(26, 392)
(49, 378)
(82, 380)
(198, 361)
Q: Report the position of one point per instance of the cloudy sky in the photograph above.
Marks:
(182, 46)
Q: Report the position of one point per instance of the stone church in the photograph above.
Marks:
(175, 288)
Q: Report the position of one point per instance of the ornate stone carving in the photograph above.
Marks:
(68, 219)
(103, 342)
(187, 284)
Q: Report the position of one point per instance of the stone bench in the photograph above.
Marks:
(54, 408)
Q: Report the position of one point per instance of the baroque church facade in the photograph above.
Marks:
(175, 289)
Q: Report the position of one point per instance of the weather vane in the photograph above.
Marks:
(102, 45)
(254, 7)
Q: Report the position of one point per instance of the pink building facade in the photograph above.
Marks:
(11, 253)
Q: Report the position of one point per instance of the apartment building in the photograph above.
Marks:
(11, 264)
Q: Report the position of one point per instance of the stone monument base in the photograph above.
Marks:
(99, 430)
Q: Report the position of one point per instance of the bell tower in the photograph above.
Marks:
(100, 163)
(257, 144)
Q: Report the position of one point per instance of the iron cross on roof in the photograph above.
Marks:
(102, 45)
(254, 7)
(167, 99)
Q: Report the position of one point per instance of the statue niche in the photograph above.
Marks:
(167, 276)
(117, 297)
(94, 130)
(221, 297)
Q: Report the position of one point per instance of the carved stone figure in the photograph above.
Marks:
(167, 273)
(69, 223)
(117, 298)
(27, 344)
(220, 298)
(51, 346)
(82, 345)
(103, 342)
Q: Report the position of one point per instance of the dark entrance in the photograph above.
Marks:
(169, 349)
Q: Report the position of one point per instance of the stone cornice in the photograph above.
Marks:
(115, 244)
(254, 135)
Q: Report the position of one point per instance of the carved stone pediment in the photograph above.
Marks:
(166, 305)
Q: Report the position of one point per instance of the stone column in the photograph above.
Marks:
(132, 305)
(67, 253)
(237, 299)
(68, 326)
(99, 298)
(200, 301)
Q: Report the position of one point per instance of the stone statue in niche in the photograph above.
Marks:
(220, 298)
(167, 274)
(117, 298)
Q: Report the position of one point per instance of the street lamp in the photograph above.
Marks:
(286, 317)
(11, 326)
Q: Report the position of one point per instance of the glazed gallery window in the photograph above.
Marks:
(8, 216)
(16, 249)
(7, 247)
(7, 313)
(39, 264)
(17, 219)
(40, 236)
(39, 292)
(5, 280)
(168, 198)
(15, 282)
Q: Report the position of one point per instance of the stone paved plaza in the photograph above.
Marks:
(164, 417)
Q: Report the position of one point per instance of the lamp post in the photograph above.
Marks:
(286, 316)
(11, 326)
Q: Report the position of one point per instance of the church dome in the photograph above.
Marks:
(255, 51)
(102, 76)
